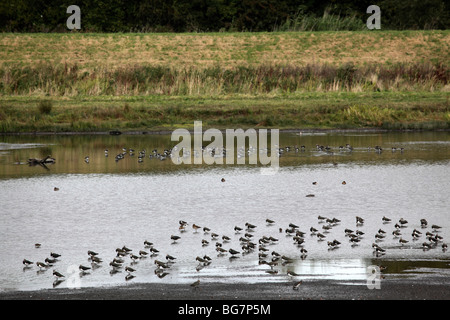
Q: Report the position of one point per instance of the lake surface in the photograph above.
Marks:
(107, 204)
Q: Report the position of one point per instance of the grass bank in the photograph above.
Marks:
(387, 110)
(98, 82)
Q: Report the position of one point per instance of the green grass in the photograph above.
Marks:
(385, 110)
(98, 82)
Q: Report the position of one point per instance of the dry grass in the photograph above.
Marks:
(229, 49)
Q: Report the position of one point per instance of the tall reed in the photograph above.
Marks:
(70, 80)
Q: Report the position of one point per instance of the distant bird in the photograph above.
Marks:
(57, 274)
(423, 223)
(115, 265)
(143, 253)
(92, 253)
(214, 235)
(96, 259)
(83, 268)
(195, 284)
(55, 189)
(41, 264)
(86, 159)
(297, 285)
(269, 221)
(384, 219)
(402, 221)
(55, 255)
(237, 229)
(320, 236)
(170, 258)
(129, 269)
(403, 241)
(37, 245)
(204, 242)
(174, 238)
(250, 226)
(50, 261)
(147, 244)
(223, 180)
(233, 252)
(129, 276)
(435, 227)
(344, 183)
(444, 247)
(292, 274)
(195, 227)
(27, 262)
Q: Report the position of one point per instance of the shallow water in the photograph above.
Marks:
(103, 205)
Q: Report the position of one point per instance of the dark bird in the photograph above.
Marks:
(297, 285)
(174, 238)
(129, 269)
(129, 276)
(195, 284)
(27, 262)
(41, 264)
(237, 229)
(435, 227)
(233, 252)
(92, 253)
(57, 274)
(250, 226)
(83, 268)
(384, 219)
(55, 255)
(423, 223)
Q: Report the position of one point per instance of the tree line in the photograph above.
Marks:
(220, 15)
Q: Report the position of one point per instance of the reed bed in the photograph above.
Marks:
(71, 80)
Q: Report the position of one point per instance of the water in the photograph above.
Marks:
(103, 205)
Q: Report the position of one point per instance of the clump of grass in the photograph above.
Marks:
(45, 106)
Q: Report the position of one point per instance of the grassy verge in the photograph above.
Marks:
(99, 82)
(388, 110)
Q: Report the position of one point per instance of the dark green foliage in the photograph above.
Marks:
(220, 15)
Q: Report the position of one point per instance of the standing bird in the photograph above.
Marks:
(57, 274)
(27, 262)
(83, 268)
(195, 284)
(174, 238)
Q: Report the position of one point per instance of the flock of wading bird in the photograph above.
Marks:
(126, 259)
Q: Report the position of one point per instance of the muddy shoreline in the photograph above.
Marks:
(390, 289)
(167, 132)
